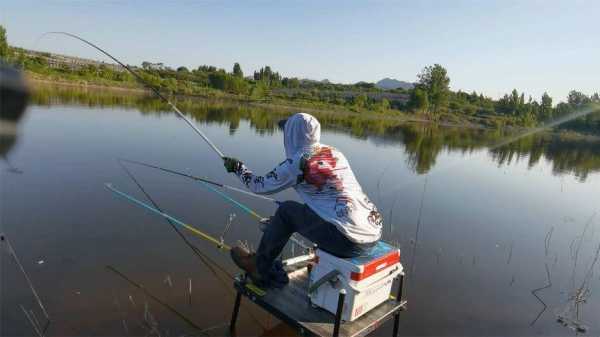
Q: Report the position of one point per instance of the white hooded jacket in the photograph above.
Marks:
(323, 178)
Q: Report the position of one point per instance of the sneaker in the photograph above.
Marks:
(246, 261)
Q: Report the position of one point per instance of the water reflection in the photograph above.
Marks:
(423, 142)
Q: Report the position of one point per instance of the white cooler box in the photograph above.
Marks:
(367, 280)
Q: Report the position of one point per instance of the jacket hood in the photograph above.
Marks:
(302, 131)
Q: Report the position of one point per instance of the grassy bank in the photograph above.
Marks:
(270, 103)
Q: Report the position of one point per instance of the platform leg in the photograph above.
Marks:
(236, 310)
(397, 314)
(338, 313)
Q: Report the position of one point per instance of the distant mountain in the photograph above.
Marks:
(390, 83)
(308, 80)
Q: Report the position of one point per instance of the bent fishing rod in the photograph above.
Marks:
(151, 87)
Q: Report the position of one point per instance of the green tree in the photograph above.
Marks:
(87, 71)
(20, 59)
(546, 106)
(236, 85)
(419, 101)
(271, 78)
(360, 101)
(384, 105)
(170, 84)
(435, 82)
(237, 70)
(182, 69)
(4, 50)
(290, 82)
(217, 80)
(124, 76)
(514, 102)
(260, 90)
(577, 98)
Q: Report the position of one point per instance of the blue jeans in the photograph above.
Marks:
(293, 217)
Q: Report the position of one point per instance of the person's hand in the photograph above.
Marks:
(231, 164)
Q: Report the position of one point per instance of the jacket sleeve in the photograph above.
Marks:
(281, 177)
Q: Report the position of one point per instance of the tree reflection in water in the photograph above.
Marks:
(423, 142)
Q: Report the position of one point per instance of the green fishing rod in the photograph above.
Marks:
(151, 87)
(176, 221)
(219, 243)
(206, 183)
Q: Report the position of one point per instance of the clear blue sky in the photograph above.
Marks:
(488, 46)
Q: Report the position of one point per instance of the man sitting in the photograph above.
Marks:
(337, 215)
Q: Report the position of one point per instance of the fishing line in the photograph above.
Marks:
(414, 252)
(151, 87)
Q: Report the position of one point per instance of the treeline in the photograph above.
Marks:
(422, 142)
(431, 98)
(432, 95)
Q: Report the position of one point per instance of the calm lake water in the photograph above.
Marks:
(504, 244)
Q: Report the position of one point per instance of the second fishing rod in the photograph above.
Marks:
(199, 179)
(207, 183)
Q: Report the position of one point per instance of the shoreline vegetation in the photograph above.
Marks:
(188, 101)
(430, 100)
(569, 152)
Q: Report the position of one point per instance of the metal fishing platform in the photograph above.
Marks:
(291, 305)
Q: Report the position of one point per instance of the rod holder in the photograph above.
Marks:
(236, 310)
(400, 288)
(398, 300)
(338, 313)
